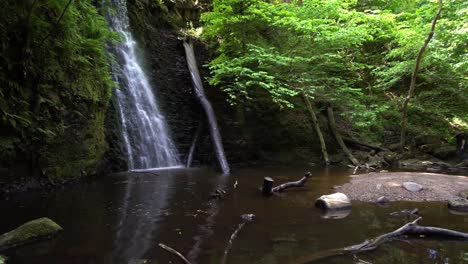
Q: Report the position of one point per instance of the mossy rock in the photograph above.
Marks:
(3, 259)
(29, 232)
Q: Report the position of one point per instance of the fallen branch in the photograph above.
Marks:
(268, 184)
(411, 228)
(175, 252)
(299, 183)
(363, 144)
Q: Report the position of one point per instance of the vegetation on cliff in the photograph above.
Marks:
(356, 56)
(55, 85)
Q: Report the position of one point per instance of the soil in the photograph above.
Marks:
(436, 187)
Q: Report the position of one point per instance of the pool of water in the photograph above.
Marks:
(121, 218)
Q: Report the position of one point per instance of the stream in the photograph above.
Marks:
(122, 217)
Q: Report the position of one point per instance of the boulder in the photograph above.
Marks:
(426, 140)
(29, 232)
(445, 152)
(458, 204)
(412, 186)
(463, 194)
(335, 201)
(3, 259)
(413, 165)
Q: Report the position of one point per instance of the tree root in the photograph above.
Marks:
(411, 228)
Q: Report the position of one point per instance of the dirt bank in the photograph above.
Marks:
(436, 187)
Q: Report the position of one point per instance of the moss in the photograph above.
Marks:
(29, 232)
(3, 259)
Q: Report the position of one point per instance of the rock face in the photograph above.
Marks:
(335, 201)
(29, 232)
(412, 186)
(459, 204)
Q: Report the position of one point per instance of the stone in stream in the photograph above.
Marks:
(382, 200)
(412, 186)
(29, 232)
(335, 201)
(458, 204)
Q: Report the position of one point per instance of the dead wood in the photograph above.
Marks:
(299, 183)
(315, 122)
(411, 228)
(363, 144)
(175, 252)
(339, 139)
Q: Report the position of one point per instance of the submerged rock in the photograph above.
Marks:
(458, 204)
(412, 186)
(29, 232)
(382, 200)
(335, 201)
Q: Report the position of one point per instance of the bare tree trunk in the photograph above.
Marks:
(323, 146)
(404, 110)
(331, 121)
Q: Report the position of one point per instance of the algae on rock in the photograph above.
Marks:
(29, 232)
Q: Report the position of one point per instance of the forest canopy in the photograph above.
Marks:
(355, 55)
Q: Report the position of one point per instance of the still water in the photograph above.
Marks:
(121, 218)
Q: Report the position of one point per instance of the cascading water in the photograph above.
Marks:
(199, 91)
(144, 129)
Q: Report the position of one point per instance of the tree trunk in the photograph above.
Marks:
(323, 146)
(331, 121)
(404, 110)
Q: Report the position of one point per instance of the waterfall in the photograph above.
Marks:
(199, 91)
(144, 128)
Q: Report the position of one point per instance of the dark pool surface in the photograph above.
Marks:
(121, 219)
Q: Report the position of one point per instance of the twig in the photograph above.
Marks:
(175, 252)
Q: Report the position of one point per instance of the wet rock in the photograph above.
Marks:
(335, 214)
(382, 200)
(414, 211)
(335, 201)
(462, 164)
(248, 217)
(445, 152)
(389, 156)
(429, 148)
(29, 232)
(412, 186)
(458, 204)
(463, 194)
(413, 165)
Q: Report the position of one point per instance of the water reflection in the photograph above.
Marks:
(145, 202)
(206, 229)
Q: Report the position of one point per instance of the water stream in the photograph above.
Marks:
(145, 132)
(122, 218)
(199, 91)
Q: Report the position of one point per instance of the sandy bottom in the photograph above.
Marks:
(436, 187)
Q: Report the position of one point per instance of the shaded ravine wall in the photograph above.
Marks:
(255, 132)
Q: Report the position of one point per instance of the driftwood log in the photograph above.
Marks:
(268, 184)
(410, 229)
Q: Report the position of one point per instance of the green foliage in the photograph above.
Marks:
(54, 82)
(356, 55)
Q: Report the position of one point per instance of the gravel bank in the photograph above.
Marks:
(436, 187)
